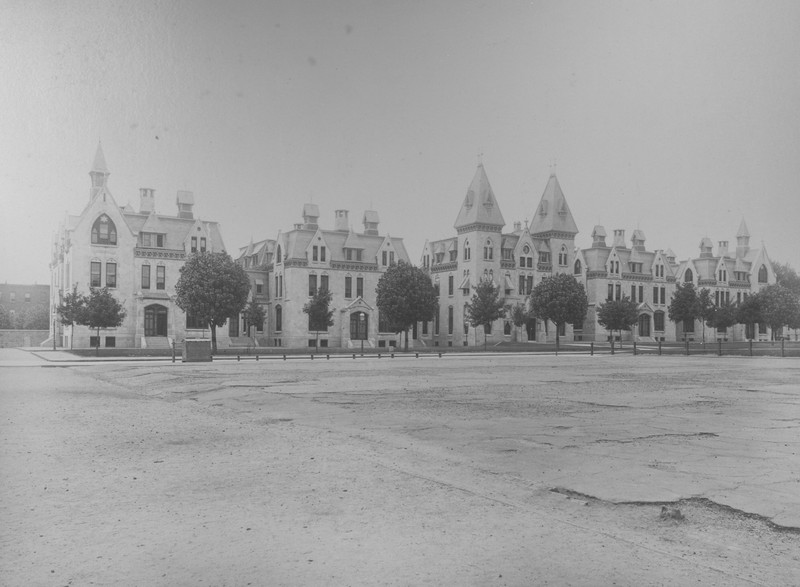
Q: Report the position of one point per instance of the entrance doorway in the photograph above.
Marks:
(644, 325)
(530, 328)
(359, 325)
(155, 320)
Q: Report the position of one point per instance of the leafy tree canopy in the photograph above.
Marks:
(211, 288)
(5, 318)
(485, 307)
(722, 316)
(560, 299)
(786, 276)
(518, 313)
(320, 316)
(749, 310)
(618, 314)
(683, 305)
(35, 317)
(71, 308)
(254, 314)
(405, 295)
(779, 306)
(102, 310)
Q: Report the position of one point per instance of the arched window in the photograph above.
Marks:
(104, 232)
(688, 277)
(507, 328)
(278, 318)
(562, 256)
(762, 274)
(488, 250)
(578, 267)
(467, 252)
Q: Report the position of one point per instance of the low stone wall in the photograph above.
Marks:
(22, 338)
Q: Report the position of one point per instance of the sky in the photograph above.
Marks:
(676, 118)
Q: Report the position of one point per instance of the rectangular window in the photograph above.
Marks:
(688, 326)
(146, 239)
(315, 253)
(641, 294)
(384, 256)
(259, 286)
(312, 285)
(111, 275)
(360, 287)
(161, 277)
(145, 276)
(610, 292)
(529, 284)
(111, 341)
(323, 282)
(160, 241)
(436, 322)
(633, 293)
(202, 244)
(521, 285)
(450, 287)
(322, 254)
(348, 287)
(391, 257)
(663, 295)
(194, 244)
(95, 275)
(348, 254)
(193, 323)
(94, 341)
(762, 328)
(655, 295)
(658, 321)
(28, 298)
(619, 291)
(450, 320)
(716, 298)
(424, 328)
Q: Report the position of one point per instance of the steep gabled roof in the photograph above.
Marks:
(553, 213)
(480, 205)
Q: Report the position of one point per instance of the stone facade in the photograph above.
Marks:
(137, 255)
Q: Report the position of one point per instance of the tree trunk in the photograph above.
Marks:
(484, 339)
(406, 347)
(97, 346)
(557, 329)
(213, 338)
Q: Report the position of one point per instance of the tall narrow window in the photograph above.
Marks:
(450, 320)
(315, 253)
(95, 274)
(529, 284)
(436, 322)
(145, 276)
(384, 257)
(322, 254)
(619, 291)
(391, 257)
(488, 251)
(278, 318)
(762, 274)
(450, 286)
(562, 256)
(161, 277)
(633, 293)
(111, 275)
(348, 287)
(655, 295)
(641, 294)
(194, 244)
(360, 287)
(522, 285)
(610, 292)
(202, 244)
(312, 285)
(663, 295)
(323, 282)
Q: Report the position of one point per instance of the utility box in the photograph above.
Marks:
(196, 350)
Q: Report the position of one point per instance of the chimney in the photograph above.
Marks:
(147, 201)
(722, 251)
(185, 201)
(371, 221)
(598, 236)
(311, 216)
(706, 248)
(619, 238)
(637, 240)
(517, 226)
(341, 223)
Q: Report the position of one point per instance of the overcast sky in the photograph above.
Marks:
(678, 118)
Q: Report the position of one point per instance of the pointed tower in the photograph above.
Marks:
(742, 240)
(553, 223)
(99, 172)
(478, 248)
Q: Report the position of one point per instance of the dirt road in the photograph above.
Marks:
(457, 471)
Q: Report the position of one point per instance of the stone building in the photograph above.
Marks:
(515, 262)
(349, 264)
(137, 255)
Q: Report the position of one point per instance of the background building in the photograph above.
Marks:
(137, 255)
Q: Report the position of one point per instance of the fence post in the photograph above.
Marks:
(416, 355)
(354, 355)
(312, 356)
(612, 345)
(328, 357)
(659, 348)
(687, 347)
(393, 355)
(256, 357)
(284, 357)
(238, 358)
(54, 344)
(440, 354)
(751, 347)
(719, 343)
(591, 346)
(634, 348)
(782, 355)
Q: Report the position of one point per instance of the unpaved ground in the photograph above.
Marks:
(461, 471)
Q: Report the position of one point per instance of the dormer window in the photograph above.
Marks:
(104, 232)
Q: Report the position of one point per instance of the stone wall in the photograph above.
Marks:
(22, 338)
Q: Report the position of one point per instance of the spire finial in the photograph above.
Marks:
(480, 158)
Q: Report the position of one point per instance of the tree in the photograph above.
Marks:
(320, 316)
(405, 295)
(5, 319)
(748, 312)
(211, 288)
(485, 307)
(723, 316)
(70, 310)
(102, 310)
(778, 307)
(683, 305)
(253, 315)
(560, 299)
(786, 276)
(36, 317)
(618, 315)
(519, 315)
(705, 308)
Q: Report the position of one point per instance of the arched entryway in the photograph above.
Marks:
(530, 328)
(644, 325)
(155, 320)
(359, 325)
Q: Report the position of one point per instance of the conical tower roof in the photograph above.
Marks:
(480, 205)
(553, 213)
(742, 230)
(100, 160)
